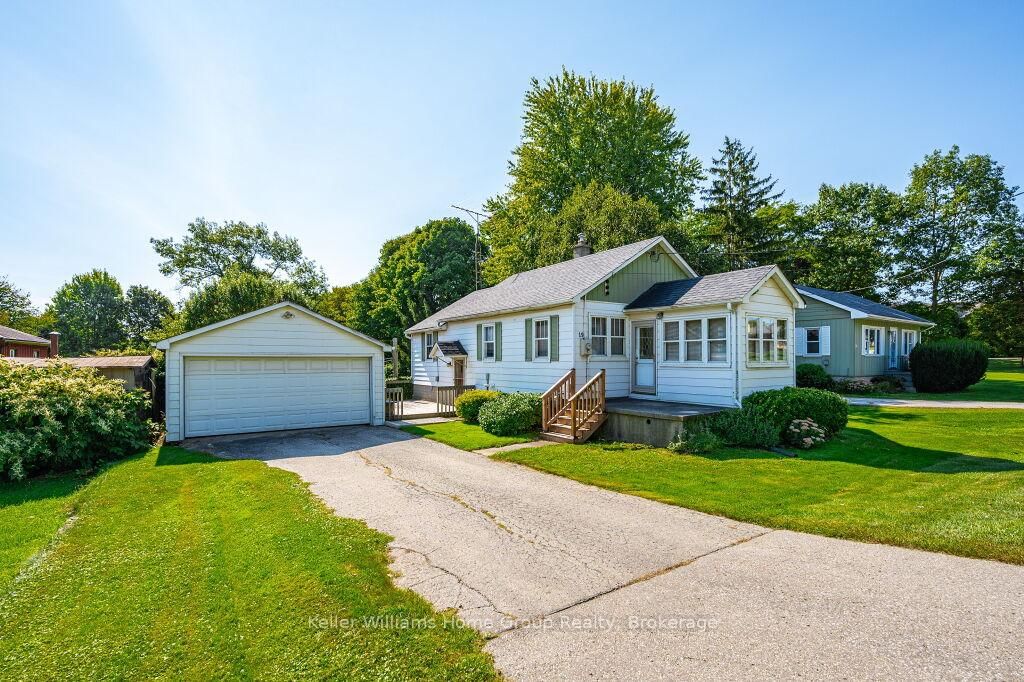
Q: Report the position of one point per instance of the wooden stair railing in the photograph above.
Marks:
(582, 414)
(556, 399)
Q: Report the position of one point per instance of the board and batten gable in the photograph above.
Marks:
(637, 277)
(768, 301)
(271, 334)
(513, 373)
(843, 351)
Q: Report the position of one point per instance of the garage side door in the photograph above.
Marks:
(245, 395)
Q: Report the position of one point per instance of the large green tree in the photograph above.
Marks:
(735, 201)
(998, 317)
(15, 304)
(579, 129)
(145, 312)
(209, 250)
(236, 292)
(417, 274)
(955, 205)
(89, 313)
(846, 244)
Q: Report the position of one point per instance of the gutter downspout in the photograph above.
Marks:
(736, 388)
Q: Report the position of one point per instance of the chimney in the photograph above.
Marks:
(582, 248)
(54, 344)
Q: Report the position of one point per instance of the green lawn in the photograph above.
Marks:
(944, 480)
(465, 436)
(31, 513)
(181, 565)
(1003, 382)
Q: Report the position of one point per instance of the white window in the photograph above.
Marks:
(717, 346)
(599, 335)
(428, 344)
(813, 341)
(694, 332)
(35, 354)
(488, 341)
(871, 343)
(618, 336)
(909, 341)
(671, 333)
(540, 339)
(767, 340)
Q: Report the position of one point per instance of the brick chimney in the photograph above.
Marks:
(582, 248)
(54, 344)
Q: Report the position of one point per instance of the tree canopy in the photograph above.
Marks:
(209, 251)
(145, 311)
(89, 313)
(15, 304)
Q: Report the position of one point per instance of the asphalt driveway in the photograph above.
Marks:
(573, 581)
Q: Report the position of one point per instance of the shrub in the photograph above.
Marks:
(745, 427)
(468, 405)
(810, 375)
(510, 414)
(854, 386)
(59, 417)
(804, 433)
(696, 437)
(886, 384)
(950, 365)
(782, 406)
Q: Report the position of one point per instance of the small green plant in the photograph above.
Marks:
(782, 406)
(696, 438)
(810, 375)
(745, 428)
(511, 414)
(468, 405)
(886, 384)
(804, 434)
(950, 365)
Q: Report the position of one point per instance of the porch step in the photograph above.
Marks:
(560, 433)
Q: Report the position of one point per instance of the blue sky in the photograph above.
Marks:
(345, 124)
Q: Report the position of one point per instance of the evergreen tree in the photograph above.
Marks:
(735, 201)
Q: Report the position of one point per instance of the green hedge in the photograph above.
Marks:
(950, 365)
(511, 414)
(58, 417)
(810, 375)
(404, 383)
(782, 406)
(468, 405)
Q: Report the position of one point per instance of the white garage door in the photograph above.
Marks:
(243, 395)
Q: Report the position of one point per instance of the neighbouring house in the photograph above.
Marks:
(134, 371)
(851, 336)
(18, 344)
(638, 315)
(280, 367)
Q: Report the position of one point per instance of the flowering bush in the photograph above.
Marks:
(59, 417)
(805, 434)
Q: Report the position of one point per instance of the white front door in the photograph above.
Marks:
(247, 394)
(894, 349)
(644, 372)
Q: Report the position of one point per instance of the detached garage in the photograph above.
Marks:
(281, 367)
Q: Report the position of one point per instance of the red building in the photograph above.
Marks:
(16, 344)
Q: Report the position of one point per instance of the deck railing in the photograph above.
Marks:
(587, 403)
(446, 396)
(394, 403)
(555, 400)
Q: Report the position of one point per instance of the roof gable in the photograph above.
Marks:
(548, 286)
(858, 306)
(166, 343)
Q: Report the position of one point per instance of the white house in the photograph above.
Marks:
(280, 367)
(639, 312)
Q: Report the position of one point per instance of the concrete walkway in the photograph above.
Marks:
(576, 582)
(949, 404)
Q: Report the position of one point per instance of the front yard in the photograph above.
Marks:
(182, 565)
(1003, 382)
(463, 436)
(943, 480)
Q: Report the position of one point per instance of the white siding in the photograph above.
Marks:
(769, 301)
(268, 335)
(513, 372)
(617, 369)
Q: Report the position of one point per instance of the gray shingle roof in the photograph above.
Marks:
(861, 304)
(15, 335)
(720, 288)
(551, 285)
(451, 348)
